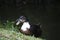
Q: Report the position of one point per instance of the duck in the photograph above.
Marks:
(27, 28)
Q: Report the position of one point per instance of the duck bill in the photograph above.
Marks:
(17, 23)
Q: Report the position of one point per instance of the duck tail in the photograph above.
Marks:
(39, 24)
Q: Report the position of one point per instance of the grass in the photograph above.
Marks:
(8, 32)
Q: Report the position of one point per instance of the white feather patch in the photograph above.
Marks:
(25, 26)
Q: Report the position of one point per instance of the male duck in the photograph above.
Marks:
(27, 28)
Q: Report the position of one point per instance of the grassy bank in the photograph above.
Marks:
(8, 32)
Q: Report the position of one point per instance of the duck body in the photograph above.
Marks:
(31, 29)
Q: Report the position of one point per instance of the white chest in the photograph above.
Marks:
(25, 26)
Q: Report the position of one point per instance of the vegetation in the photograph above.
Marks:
(9, 32)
